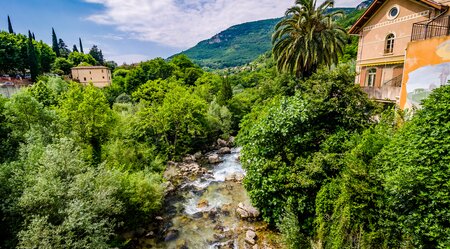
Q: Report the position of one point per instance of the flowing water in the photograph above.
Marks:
(202, 215)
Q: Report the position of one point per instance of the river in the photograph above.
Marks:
(202, 213)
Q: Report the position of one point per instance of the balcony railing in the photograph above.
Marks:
(389, 91)
(432, 28)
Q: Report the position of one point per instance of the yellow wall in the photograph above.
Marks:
(374, 32)
(426, 67)
(99, 76)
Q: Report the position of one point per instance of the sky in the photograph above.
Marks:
(137, 30)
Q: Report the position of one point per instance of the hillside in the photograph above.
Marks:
(237, 45)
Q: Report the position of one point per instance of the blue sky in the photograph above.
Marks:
(136, 30)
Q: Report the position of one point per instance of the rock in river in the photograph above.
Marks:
(213, 159)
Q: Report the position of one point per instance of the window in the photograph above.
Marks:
(84, 78)
(103, 77)
(389, 46)
(89, 72)
(393, 12)
(371, 75)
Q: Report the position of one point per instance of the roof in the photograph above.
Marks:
(376, 4)
(90, 67)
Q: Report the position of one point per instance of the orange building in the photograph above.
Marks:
(99, 76)
(386, 29)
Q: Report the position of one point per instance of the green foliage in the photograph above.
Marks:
(225, 93)
(415, 169)
(97, 54)
(62, 65)
(77, 58)
(279, 139)
(32, 58)
(179, 123)
(18, 53)
(86, 115)
(55, 45)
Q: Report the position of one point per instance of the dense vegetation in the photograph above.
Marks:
(326, 166)
(78, 169)
(238, 45)
(22, 55)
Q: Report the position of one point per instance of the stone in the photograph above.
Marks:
(247, 212)
(213, 159)
(250, 234)
(189, 159)
(224, 150)
(202, 204)
(231, 140)
(172, 235)
(168, 187)
(159, 218)
(198, 156)
(222, 143)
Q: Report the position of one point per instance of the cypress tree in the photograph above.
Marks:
(10, 29)
(97, 54)
(55, 46)
(32, 58)
(225, 93)
(81, 46)
(74, 49)
(34, 37)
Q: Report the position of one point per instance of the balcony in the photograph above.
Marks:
(432, 28)
(388, 92)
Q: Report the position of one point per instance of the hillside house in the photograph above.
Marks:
(402, 44)
(100, 76)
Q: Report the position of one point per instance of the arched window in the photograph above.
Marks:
(389, 45)
(371, 75)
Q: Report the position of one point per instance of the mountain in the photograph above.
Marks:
(237, 45)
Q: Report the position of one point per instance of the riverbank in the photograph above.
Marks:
(206, 206)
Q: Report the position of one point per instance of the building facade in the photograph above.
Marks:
(385, 30)
(99, 76)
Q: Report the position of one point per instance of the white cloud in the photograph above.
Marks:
(183, 23)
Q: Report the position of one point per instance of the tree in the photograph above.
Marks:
(34, 38)
(226, 93)
(76, 58)
(415, 169)
(46, 56)
(55, 46)
(10, 28)
(74, 49)
(86, 113)
(63, 50)
(32, 58)
(97, 54)
(81, 46)
(279, 142)
(62, 66)
(307, 37)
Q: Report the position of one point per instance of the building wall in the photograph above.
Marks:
(373, 34)
(100, 77)
(427, 66)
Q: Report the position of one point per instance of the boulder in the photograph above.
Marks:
(247, 212)
(222, 143)
(224, 150)
(213, 159)
(172, 235)
(198, 156)
(189, 159)
(250, 237)
(231, 140)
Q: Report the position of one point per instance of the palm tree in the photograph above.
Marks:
(307, 37)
